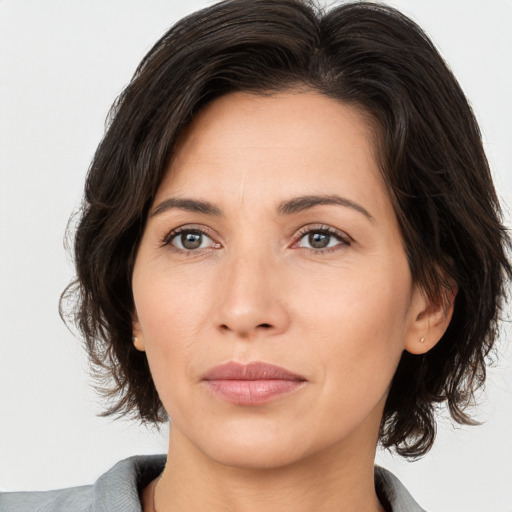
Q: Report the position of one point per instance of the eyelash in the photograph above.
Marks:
(343, 239)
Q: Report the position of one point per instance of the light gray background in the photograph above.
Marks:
(62, 63)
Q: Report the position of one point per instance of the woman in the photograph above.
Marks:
(283, 234)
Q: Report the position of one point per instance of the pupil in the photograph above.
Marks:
(191, 240)
(318, 240)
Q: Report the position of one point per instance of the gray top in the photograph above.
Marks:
(118, 491)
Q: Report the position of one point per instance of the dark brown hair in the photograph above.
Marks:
(431, 156)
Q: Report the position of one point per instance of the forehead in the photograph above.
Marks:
(303, 142)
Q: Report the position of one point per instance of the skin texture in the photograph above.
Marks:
(256, 290)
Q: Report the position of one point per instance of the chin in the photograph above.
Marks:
(256, 455)
(265, 445)
(252, 444)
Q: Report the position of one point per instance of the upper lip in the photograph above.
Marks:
(251, 371)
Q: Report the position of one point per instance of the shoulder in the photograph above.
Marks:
(115, 491)
(77, 499)
(391, 490)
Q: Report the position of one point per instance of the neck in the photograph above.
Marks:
(337, 480)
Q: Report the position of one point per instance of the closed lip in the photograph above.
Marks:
(251, 384)
(250, 371)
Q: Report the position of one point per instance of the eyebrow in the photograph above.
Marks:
(299, 204)
(188, 205)
(295, 205)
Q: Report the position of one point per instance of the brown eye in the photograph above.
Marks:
(190, 240)
(319, 240)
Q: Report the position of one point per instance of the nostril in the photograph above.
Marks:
(266, 326)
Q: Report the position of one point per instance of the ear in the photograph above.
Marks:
(137, 336)
(429, 320)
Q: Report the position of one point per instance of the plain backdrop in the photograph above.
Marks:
(62, 63)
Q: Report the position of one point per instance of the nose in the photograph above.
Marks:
(251, 298)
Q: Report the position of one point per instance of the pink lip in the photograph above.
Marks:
(251, 384)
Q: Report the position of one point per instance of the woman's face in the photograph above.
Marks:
(272, 240)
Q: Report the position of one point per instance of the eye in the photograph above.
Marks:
(322, 239)
(189, 240)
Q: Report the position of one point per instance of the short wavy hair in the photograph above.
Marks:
(430, 154)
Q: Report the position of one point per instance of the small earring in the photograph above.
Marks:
(422, 340)
(135, 340)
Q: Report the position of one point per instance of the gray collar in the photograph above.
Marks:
(393, 493)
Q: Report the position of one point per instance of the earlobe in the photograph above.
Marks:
(137, 336)
(429, 320)
(138, 343)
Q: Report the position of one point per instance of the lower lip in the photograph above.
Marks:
(252, 392)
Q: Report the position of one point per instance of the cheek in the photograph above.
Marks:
(359, 325)
(169, 327)
(357, 300)
(166, 299)
(172, 312)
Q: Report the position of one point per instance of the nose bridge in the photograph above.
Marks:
(250, 292)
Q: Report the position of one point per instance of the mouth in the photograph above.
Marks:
(251, 384)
